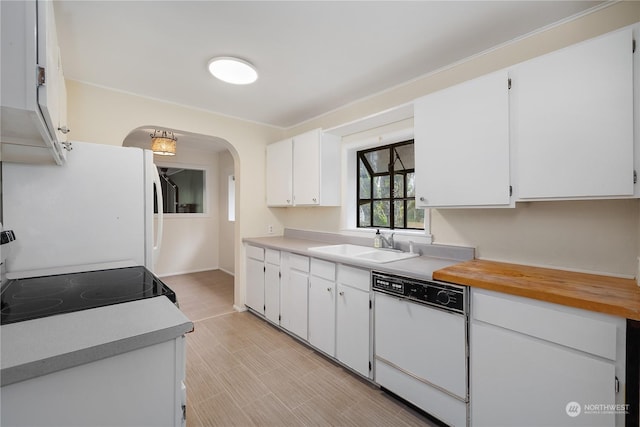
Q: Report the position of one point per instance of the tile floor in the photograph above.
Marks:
(241, 371)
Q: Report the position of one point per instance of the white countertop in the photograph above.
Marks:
(41, 346)
(421, 267)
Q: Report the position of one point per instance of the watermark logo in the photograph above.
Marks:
(573, 409)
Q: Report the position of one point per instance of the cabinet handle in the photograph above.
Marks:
(315, 200)
(288, 201)
(341, 293)
(65, 130)
(422, 199)
(328, 289)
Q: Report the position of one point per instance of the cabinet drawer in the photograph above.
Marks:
(299, 262)
(354, 277)
(272, 256)
(579, 329)
(324, 269)
(255, 253)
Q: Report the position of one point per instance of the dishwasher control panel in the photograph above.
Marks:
(444, 295)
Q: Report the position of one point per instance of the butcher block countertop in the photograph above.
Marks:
(604, 294)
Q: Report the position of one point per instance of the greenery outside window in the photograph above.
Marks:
(385, 189)
(182, 190)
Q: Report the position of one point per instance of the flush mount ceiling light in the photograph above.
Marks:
(233, 70)
(163, 143)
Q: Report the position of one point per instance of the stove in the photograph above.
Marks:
(36, 297)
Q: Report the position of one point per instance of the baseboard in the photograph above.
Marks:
(239, 309)
(227, 271)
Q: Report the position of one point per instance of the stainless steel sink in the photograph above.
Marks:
(363, 253)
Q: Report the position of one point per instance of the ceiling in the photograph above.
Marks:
(312, 56)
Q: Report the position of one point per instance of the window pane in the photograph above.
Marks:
(398, 219)
(381, 213)
(398, 186)
(381, 187)
(411, 188)
(379, 160)
(182, 190)
(364, 214)
(404, 157)
(415, 217)
(365, 181)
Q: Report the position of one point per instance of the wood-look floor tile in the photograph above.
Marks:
(242, 385)
(268, 411)
(291, 391)
(220, 410)
(319, 411)
(256, 360)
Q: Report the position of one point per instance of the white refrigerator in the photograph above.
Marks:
(97, 209)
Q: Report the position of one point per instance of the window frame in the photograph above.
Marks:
(393, 200)
(206, 170)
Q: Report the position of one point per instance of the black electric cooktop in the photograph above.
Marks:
(32, 298)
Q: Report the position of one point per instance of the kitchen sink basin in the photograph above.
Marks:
(363, 253)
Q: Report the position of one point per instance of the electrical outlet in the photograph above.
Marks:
(270, 229)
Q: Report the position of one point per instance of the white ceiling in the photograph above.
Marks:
(312, 56)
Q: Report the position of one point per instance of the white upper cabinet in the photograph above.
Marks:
(304, 170)
(572, 118)
(462, 144)
(280, 173)
(33, 127)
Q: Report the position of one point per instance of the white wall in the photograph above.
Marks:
(226, 241)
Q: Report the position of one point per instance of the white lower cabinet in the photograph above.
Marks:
(539, 364)
(294, 291)
(255, 278)
(272, 285)
(353, 319)
(322, 306)
(324, 303)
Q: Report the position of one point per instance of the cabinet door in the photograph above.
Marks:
(322, 314)
(573, 120)
(272, 292)
(306, 171)
(294, 308)
(352, 328)
(280, 173)
(462, 144)
(519, 380)
(255, 285)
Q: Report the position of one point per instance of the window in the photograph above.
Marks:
(385, 188)
(182, 189)
(231, 198)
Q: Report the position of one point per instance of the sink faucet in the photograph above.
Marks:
(388, 241)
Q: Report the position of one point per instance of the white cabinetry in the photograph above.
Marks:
(280, 173)
(294, 294)
(304, 170)
(462, 144)
(529, 361)
(272, 285)
(33, 91)
(255, 278)
(573, 121)
(322, 306)
(353, 319)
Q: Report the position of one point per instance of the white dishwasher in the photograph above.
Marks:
(421, 344)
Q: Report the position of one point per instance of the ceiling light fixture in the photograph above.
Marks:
(233, 70)
(163, 143)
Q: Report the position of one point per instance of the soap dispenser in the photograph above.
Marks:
(377, 240)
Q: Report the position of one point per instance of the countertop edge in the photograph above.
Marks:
(27, 371)
(79, 337)
(562, 296)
